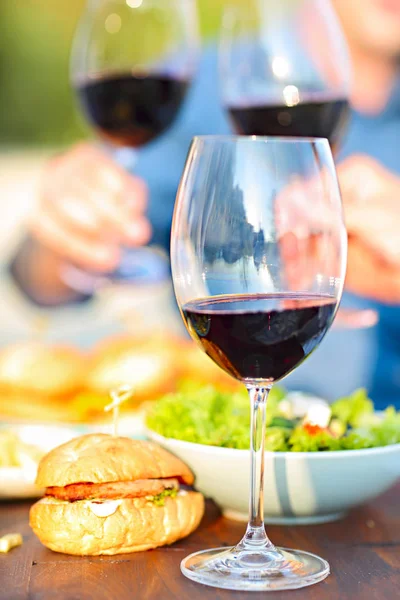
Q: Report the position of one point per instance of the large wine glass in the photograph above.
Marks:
(258, 260)
(131, 66)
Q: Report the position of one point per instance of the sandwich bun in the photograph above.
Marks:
(136, 524)
(103, 458)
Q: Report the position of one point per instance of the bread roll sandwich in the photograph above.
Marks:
(112, 495)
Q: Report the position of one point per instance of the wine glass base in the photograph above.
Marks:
(227, 568)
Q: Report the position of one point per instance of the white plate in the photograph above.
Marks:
(16, 483)
(19, 482)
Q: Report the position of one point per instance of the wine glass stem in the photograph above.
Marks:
(255, 537)
(125, 157)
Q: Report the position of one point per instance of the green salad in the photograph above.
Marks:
(295, 422)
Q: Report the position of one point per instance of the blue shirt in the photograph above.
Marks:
(346, 359)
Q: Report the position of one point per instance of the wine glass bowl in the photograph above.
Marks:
(258, 254)
(285, 69)
(131, 66)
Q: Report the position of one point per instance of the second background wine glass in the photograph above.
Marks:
(285, 69)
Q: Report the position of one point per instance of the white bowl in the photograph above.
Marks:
(300, 487)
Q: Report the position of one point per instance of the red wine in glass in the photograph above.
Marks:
(259, 336)
(313, 117)
(132, 110)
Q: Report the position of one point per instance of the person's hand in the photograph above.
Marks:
(309, 230)
(89, 208)
(370, 196)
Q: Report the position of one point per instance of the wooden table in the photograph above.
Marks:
(363, 550)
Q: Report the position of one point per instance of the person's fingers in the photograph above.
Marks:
(348, 318)
(117, 197)
(377, 228)
(82, 250)
(129, 192)
(298, 261)
(100, 171)
(95, 200)
(96, 215)
(74, 210)
(358, 178)
(365, 181)
(307, 206)
(369, 276)
(139, 231)
(118, 218)
(305, 258)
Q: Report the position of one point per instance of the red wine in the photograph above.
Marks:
(129, 110)
(259, 337)
(314, 118)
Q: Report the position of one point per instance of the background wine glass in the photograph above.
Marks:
(285, 71)
(132, 63)
(257, 305)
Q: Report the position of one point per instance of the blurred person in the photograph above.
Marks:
(368, 169)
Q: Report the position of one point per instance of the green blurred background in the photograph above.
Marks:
(37, 103)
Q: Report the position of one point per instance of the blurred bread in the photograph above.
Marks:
(40, 369)
(58, 383)
(147, 364)
(32, 407)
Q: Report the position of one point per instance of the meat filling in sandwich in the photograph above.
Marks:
(143, 488)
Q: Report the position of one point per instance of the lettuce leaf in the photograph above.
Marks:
(353, 410)
(159, 500)
(205, 415)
